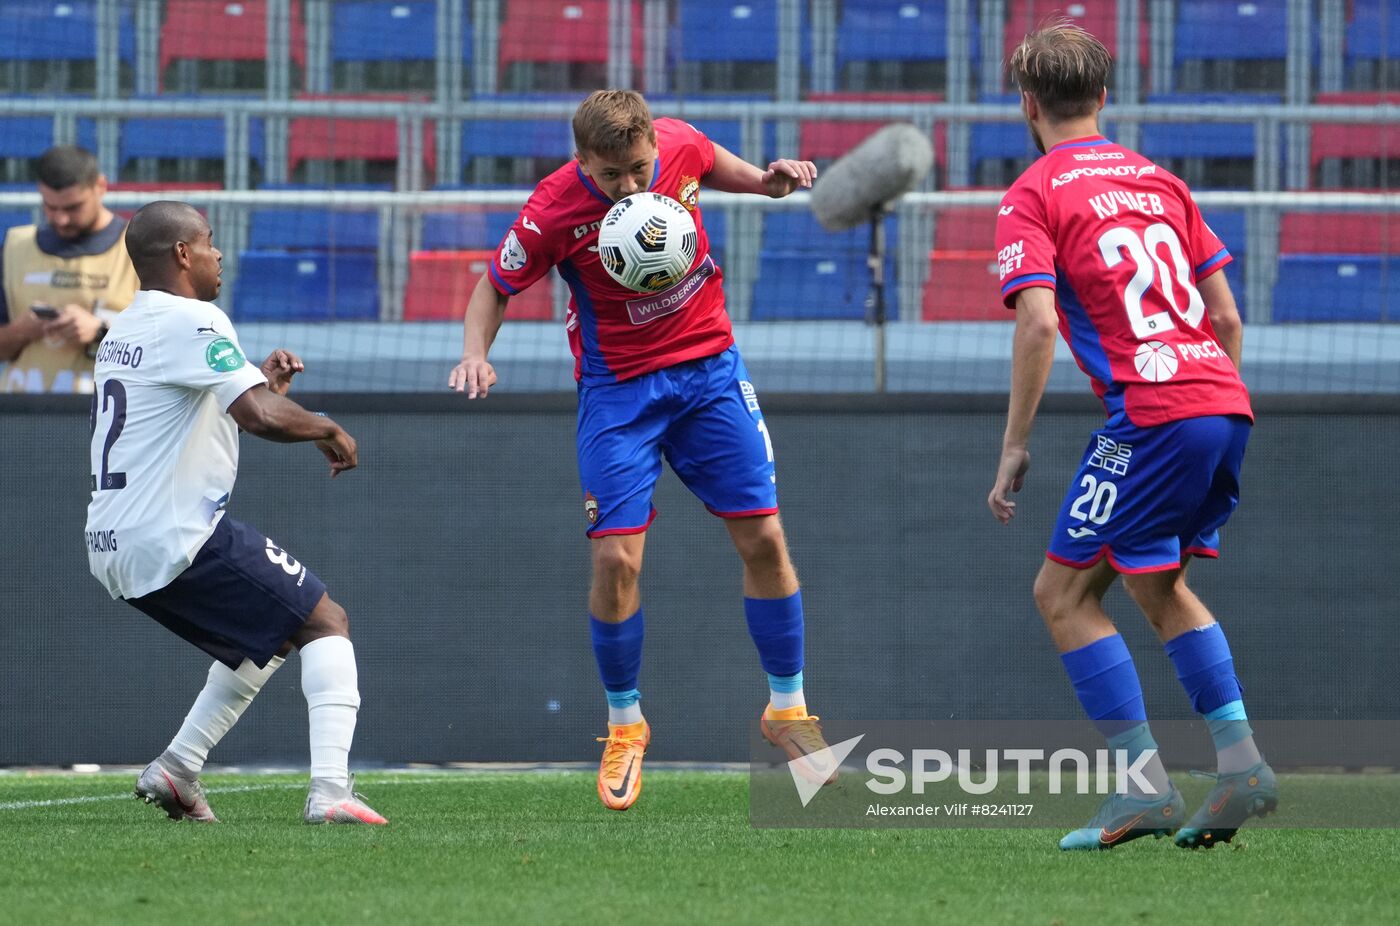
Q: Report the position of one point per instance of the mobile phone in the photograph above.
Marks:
(46, 312)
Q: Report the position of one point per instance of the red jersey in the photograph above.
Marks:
(1122, 244)
(614, 332)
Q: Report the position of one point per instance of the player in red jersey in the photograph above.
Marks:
(1099, 242)
(658, 376)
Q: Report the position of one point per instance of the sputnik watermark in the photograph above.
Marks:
(1110, 770)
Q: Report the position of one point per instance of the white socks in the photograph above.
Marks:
(782, 700)
(330, 683)
(225, 696)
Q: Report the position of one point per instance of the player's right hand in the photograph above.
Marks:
(474, 377)
(1011, 475)
(341, 450)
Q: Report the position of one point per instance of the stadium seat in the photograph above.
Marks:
(25, 136)
(385, 30)
(788, 231)
(1000, 142)
(827, 139)
(1250, 35)
(1350, 142)
(1334, 288)
(313, 230)
(9, 218)
(1373, 43)
(571, 35)
(814, 286)
(183, 138)
(728, 133)
(355, 140)
(466, 229)
(306, 286)
(1339, 233)
(51, 45)
(388, 44)
(223, 30)
(514, 152)
(708, 39)
(962, 286)
(895, 44)
(1097, 17)
(1211, 155)
(441, 282)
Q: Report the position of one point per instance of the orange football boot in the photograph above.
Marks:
(798, 734)
(620, 772)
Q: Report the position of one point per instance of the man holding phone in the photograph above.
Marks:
(63, 281)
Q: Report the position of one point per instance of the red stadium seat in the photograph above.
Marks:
(964, 228)
(320, 139)
(223, 30)
(1350, 140)
(1097, 17)
(822, 139)
(441, 282)
(561, 30)
(139, 186)
(962, 286)
(1338, 233)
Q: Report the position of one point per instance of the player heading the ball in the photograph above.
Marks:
(1107, 247)
(172, 392)
(659, 377)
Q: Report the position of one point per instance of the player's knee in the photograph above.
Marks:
(615, 564)
(1050, 598)
(328, 620)
(764, 545)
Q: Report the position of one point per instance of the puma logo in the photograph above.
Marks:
(209, 329)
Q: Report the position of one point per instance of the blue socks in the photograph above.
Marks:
(1107, 684)
(1207, 672)
(618, 649)
(775, 624)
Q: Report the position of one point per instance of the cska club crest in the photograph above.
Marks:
(689, 194)
(590, 507)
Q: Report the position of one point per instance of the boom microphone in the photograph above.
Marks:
(882, 168)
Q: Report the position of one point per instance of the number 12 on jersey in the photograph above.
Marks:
(1146, 255)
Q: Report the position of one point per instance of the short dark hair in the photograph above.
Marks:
(63, 166)
(1063, 67)
(610, 122)
(153, 232)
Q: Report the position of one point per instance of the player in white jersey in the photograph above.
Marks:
(172, 392)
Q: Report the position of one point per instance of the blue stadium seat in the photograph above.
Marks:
(1374, 30)
(732, 30)
(1202, 139)
(59, 30)
(9, 218)
(25, 136)
(200, 139)
(817, 286)
(388, 30)
(895, 30)
(1234, 31)
(313, 230)
(467, 230)
(1000, 140)
(1229, 227)
(1334, 288)
(798, 232)
(518, 138)
(306, 286)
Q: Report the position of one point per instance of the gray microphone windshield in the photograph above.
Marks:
(883, 167)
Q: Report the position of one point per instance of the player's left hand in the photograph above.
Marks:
(74, 325)
(279, 368)
(1011, 475)
(784, 176)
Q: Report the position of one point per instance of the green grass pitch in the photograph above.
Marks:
(538, 848)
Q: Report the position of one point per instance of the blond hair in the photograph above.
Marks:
(611, 122)
(1063, 67)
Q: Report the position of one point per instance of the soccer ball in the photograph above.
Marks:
(647, 242)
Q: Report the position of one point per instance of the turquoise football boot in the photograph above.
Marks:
(1123, 818)
(1234, 799)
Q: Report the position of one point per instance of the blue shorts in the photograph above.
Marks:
(1149, 497)
(702, 416)
(243, 596)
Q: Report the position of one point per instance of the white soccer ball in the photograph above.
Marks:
(647, 242)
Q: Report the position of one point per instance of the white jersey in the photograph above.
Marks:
(164, 449)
